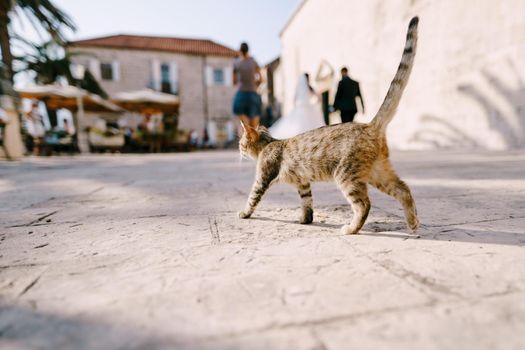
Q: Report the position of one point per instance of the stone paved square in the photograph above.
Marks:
(146, 252)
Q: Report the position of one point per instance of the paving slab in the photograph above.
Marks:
(147, 252)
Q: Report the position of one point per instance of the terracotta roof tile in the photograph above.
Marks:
(168, 44)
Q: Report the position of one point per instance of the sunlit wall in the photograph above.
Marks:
(467, 89)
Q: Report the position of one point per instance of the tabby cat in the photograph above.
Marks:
(351, 154)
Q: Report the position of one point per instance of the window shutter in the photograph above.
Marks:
(174, 77)
(94, 68)
(209, 76)
(155, 75)
(228, 76)
(115, 67)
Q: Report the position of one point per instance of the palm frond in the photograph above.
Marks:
(48, 66)
(44, 14)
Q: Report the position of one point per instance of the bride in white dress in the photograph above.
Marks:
(305, 116)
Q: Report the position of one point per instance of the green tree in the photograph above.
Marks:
(43, 14)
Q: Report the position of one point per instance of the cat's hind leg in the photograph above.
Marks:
(385, 179)
(305, 192)
(356, 193)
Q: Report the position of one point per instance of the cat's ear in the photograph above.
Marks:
(251, 133)
(244, 126)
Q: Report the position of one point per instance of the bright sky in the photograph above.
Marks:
(226, 21)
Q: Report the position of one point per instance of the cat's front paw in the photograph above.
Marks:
(305, 221)
(307, 217)
(349, 230)
(244, 214)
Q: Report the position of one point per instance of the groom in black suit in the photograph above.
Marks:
(347, 91)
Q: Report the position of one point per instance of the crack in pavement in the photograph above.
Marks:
(36, 221)
(30, 285)
(325, 321)
(152, 216)
(41, 246)
(20, 265)
(98, 189)
(68, 198)
(214, 231)
(475, 222)
(318, 321)
(407, 276)
(403, 273)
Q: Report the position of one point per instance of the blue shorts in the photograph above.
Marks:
(247, 103)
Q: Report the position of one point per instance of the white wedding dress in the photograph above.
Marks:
(305, 116)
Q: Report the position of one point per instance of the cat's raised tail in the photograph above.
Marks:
(388, 108)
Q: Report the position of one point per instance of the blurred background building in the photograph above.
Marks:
(467, 89)
(199, 72)
(271, 104)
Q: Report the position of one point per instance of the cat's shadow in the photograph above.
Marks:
(397, 230)
(296, 222)
(368, 228)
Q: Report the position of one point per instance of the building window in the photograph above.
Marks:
(106, 71)
(218, 76)
(165, 78)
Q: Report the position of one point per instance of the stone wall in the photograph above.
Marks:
(467, 89)
(220, 97)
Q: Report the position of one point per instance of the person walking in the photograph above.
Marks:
(345, 98)
(247, 75)
(35, 128)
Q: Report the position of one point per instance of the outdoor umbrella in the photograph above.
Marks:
(74, 99)
(147, 100)
(57, 96)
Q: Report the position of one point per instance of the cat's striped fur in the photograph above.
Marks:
(352, 154)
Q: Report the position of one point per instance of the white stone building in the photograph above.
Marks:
(467, 89)
(198, 71)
